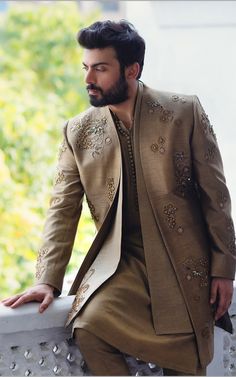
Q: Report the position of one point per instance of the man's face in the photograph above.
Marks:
(106, 84)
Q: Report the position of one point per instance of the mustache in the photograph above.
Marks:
(93, 87)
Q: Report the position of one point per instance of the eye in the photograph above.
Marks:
(100, 68)
(85, 68)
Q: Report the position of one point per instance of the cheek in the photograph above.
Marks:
(108, 81)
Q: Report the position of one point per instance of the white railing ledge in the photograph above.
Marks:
(32, 343)
(28, 318)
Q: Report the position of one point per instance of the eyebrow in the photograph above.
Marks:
(96, 64)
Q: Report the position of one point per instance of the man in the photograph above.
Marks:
(161, 267)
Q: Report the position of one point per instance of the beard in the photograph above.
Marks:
(118, 93)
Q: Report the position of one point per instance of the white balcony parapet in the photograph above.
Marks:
(38, 344)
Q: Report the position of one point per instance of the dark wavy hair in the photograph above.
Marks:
(122, 36)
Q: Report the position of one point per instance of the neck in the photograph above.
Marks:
(125, 110)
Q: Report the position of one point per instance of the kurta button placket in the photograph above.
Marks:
(129, 147)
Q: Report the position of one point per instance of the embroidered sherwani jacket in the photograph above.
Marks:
(182, 196)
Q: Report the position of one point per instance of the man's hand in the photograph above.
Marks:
(42, 293)
(221, 295)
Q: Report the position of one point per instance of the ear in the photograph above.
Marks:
(132, 71)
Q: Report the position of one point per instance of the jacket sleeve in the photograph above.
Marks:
(62, 219)
(214, 195)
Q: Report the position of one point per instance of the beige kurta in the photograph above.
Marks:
(120, 310)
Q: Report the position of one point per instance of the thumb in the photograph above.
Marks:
(45, 303)
(213, 292)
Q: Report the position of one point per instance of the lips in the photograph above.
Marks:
(93, 92)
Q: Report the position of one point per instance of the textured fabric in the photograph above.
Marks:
(101, 358)
(183, 195)
(120, 311)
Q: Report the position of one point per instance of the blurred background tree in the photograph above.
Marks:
(41, 86)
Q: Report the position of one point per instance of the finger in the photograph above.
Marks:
(213, 295)
(24, 299)
(222, 307)
(9, 301)
(46, 302)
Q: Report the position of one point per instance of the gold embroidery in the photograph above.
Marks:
(92, 210)
(91, 134)
(80, 294)
(155, 106)
(54, 201)
(197, 268)
(79, 297)
(62, 148)
(211, 151)
(110, 189)
(76, 124)
(59, 177)
(159, 146)
(170, 217)
(154, 147)
(182, 174)
(231, 236)
(40, 265)
(176, 98)
(170, 213)
(206, 126)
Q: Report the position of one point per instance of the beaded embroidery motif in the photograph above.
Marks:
(59, 177)
(110, 189)
(155, 106)
(80, 294)
(54, 201)
(206, 126)
(159, 146)
(211, 151)
(62, 148)
(91, 134)
(40, 265)
(176, 98)
(231, 236)
(170, 214)
(182, 174)
(197, 268)
(92, 211)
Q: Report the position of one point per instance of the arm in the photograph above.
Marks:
(59, 232)
(62, 220)
(216, 206)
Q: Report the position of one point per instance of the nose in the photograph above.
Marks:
(90, 77)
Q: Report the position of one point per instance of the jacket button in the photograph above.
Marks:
(206, 332)
(196, 298)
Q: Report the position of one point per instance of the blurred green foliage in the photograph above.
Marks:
(41, 86)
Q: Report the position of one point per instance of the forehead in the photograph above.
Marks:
(97, 55)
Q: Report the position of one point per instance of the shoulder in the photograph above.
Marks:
(84, 123)
(168, 106)
(166, 98)
(83, 118)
